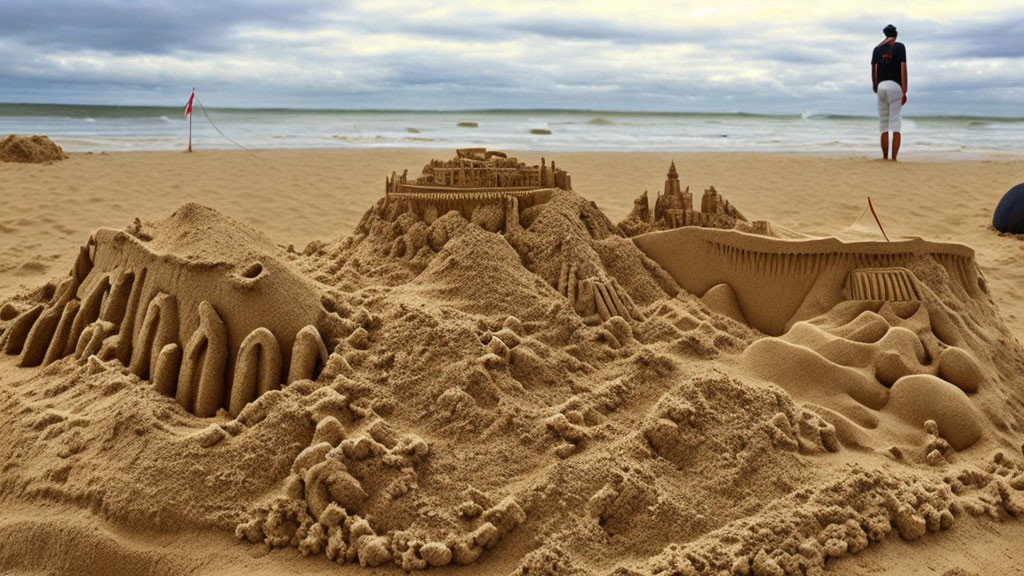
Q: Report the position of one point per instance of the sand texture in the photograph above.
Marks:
(255, 362)
(30, 150)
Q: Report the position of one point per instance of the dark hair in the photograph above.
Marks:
(890, 31)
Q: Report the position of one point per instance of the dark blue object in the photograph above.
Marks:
(1009, 215)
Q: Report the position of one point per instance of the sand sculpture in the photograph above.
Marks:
(206, 331)
(497, 193)
(511, 385)
(774, 283)
(475, 177)
(673, 208)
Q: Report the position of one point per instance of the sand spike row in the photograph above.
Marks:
(159, 328)
(631, 306)
(309, 355)
(257, 370)
(607, 298)
(204, 365)
(891, 284)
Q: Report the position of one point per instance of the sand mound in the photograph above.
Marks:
(518, 388)
(207, 309)
(30, 149)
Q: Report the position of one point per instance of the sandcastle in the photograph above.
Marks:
(673, 208)
(208, 334)
(511, 395)
(475, 177)
(773, 283)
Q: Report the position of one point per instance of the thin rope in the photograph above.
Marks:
(857, 221)
(210, 120)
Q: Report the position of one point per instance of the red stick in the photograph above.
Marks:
(877, 220)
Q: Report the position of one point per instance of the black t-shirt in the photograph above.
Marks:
(889, 59)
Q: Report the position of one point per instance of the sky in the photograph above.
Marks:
(789, 57)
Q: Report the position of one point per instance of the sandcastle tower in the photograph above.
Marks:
(674, 205)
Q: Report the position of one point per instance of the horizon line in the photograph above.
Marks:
(805, 114)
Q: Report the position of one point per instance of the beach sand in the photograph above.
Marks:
(480, 418)
(299, 196)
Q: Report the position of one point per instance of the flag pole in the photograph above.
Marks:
(188, 114)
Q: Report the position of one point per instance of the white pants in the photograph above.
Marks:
(890, 106)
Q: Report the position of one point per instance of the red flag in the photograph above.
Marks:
(188, 107)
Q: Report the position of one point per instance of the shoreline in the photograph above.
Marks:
(914, 157)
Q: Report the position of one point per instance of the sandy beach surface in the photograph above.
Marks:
(460, 407)
(296, 197)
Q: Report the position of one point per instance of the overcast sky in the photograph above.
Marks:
(965, 56)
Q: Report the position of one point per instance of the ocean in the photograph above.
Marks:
(118, 128)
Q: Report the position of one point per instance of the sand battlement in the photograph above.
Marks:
(477, 170)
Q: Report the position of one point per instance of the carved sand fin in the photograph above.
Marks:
(563, 278)
(59, 342)
(88, 313)
(600, 300)
(159, 328)
(40, 336)
(131, 317)
(585, 303)
(64, 293)
(19, 330)
(257, 369)
(91, 340)
(309, 355)
(115, 305)
(204, 364)
(573, 285)
(620, 308)
(83, 263)
(166, 368)
(634, 310)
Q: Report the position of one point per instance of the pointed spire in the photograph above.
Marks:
(672, 174)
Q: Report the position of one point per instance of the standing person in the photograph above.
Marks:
(889, 77)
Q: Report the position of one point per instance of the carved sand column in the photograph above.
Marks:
(131, 317)
(159, 328)
(309, 355)
(88, 313)
(204, 364)
(59, 342)
(257, 370)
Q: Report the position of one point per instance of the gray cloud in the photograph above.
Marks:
(320, 53)
(128, 26)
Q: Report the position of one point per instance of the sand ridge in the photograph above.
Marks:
(523, 387)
